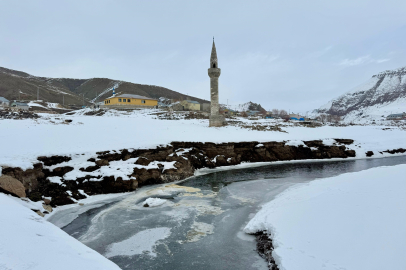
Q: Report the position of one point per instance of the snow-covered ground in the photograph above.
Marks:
(22, 141)
(29, 242)
(351, 221)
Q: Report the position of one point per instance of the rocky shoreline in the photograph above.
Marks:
(164, 164)
(265, 248)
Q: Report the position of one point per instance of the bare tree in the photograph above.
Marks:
(283, 113)
(244, 114)
(275, 112)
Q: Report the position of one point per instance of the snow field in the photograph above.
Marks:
(141, 129)
(351, 221)
(43, 245)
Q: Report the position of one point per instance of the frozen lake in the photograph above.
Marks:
(200, 223)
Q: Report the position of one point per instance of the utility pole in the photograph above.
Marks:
(83, 95)
(19, 92)
(37, 93)
(63, 100)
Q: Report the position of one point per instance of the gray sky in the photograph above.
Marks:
(293, 55)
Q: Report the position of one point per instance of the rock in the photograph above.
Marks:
(146, 205)
(29, 177)
(60, 171)
(90, 169)
(134, 184)
(47, 207)
(39, 213)
(47, 201)
(53, 160)
(81, 204)
(102, 162)
(344, 141)
(143, 161)
(369, 153)
(35, 196)
(12, 186)
(68, 121)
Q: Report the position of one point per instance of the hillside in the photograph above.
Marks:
(94, 90)
(383, 94)
(248, 106)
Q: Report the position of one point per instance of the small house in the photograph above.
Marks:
(19, 106)
(296, 117)
(190, 105)
(396, 116)
(128, 101)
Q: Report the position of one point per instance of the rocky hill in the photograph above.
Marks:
(248, 106)
(20, 85)
(383, 94)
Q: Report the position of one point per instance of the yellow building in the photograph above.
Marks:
(127, 101)
(190, 105)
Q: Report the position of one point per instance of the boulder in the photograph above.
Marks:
(39, 213)
(47, 207)
(102, 162)
(143, 161)
(10, 185)
(369, 153)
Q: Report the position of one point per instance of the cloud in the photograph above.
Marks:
(361, 60)
(320, 52)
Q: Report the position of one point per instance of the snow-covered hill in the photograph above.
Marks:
(383, 94)
(248, 106)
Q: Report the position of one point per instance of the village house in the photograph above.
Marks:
(294, 116)
(19, 106)
(396, 116)
(128, 101)
(190, 105)
(4, 103)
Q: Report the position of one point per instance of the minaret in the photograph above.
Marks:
(216, 119)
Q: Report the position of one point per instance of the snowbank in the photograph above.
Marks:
(141, 129)
(30, 242)
(351, 221)
(153, 202)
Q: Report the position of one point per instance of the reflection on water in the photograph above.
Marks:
(304, 170)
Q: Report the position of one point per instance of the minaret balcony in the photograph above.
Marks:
(214, 72)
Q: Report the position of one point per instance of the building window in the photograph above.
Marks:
(124, 100)
(119, 100)
(128, 100)
(142, 101)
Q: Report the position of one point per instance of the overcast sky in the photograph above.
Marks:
(293, 55)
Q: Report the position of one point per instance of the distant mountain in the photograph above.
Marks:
(248, 106)
(383, 94)
(20, 85)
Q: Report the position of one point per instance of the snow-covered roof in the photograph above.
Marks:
(133, 96)
(192, 101)
(2, 99)
(20, 103)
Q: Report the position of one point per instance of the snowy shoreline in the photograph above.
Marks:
(354, 206)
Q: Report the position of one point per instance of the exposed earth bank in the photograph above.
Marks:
(150, 166)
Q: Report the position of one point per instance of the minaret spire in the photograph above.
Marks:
(213, 57)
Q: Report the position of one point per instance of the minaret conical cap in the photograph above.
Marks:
(213, 52)
(213, 57)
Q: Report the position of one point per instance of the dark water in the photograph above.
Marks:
(227, 200)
